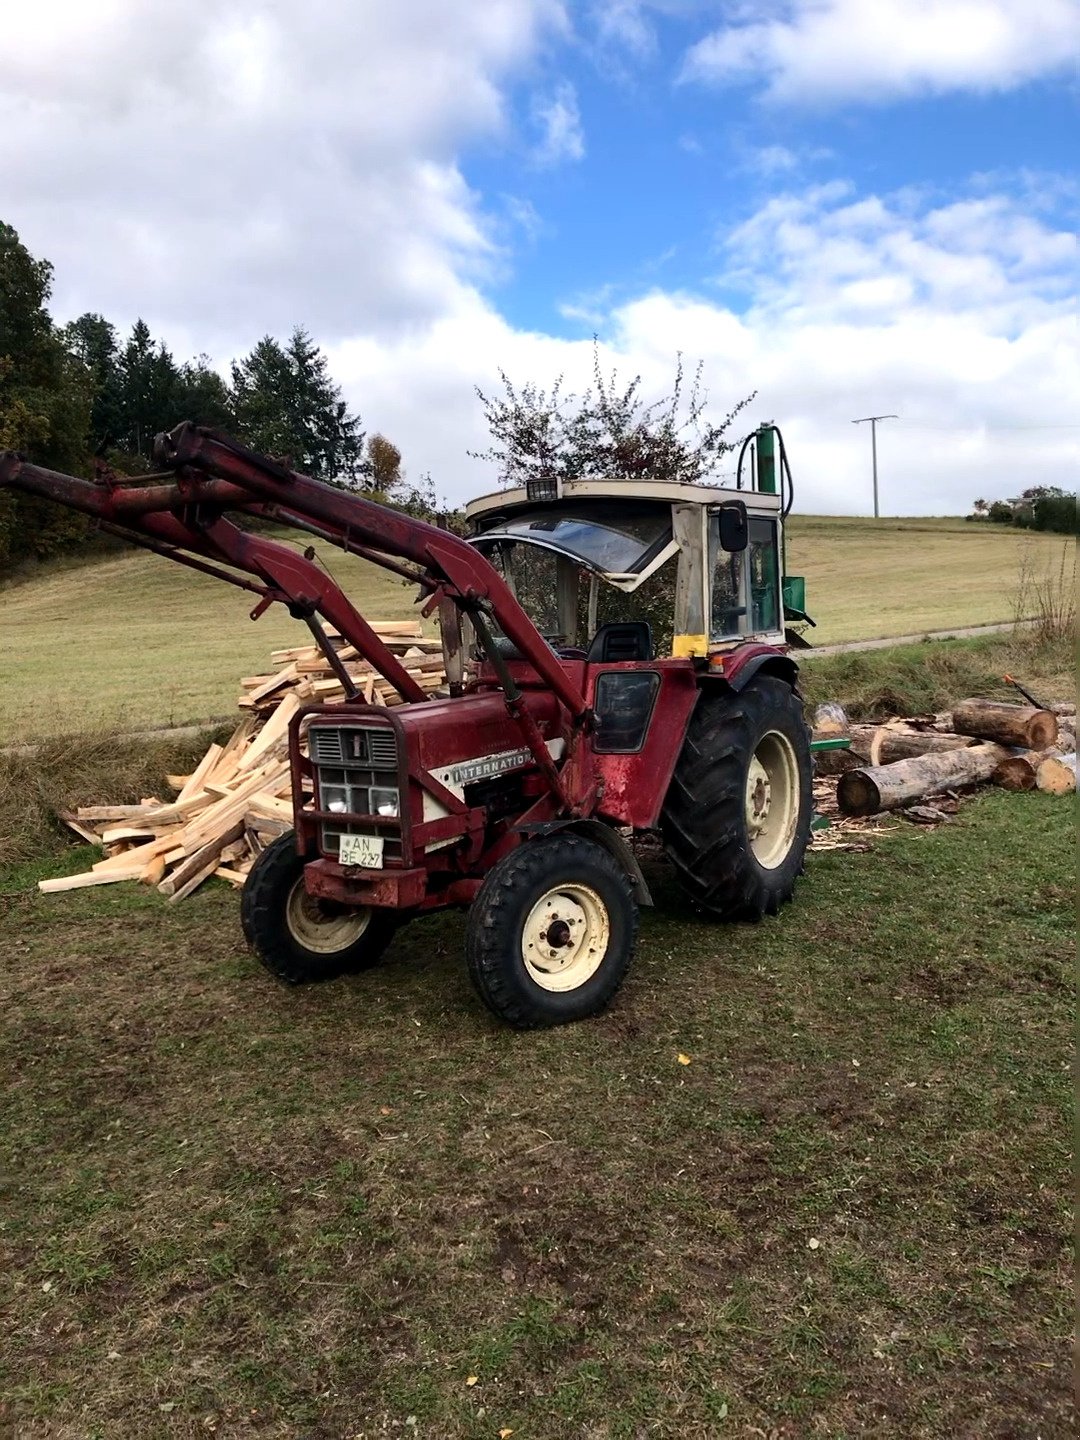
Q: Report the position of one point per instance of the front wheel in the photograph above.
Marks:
(551, 933)
(298, 937)
(736, 820)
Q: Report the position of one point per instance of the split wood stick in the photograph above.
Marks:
(273, 684)
(890, 787)
(1056, 775)
(1006, 723)
(176, 783)
(139, 857)
(83, 831)
(199, 774)
(234, 877)
(274, 731)
(200, 858)
(89, 877)
(194, 883)
(153, 872)
(113, 813)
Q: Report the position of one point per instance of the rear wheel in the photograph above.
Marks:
(298, 937)
(551, 933)
(736, 821)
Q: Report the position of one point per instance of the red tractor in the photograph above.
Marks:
(560, 737)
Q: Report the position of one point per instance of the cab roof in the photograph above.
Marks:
(660, 491)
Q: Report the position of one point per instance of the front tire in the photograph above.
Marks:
(301, 939)
(551, 933)
(736, 820)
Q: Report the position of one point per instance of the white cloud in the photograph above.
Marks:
(558, 123)
(241, 165)
(953, 316)
(882, 49)
(228, 167)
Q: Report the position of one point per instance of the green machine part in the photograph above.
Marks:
(765, 446)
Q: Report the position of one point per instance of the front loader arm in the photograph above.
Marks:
(211, 475)
(448, 562)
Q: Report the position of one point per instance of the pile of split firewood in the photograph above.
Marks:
(896, 765)
(239, 797)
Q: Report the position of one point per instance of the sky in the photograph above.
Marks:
(849, 207)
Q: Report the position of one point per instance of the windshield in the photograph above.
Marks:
(617, 539)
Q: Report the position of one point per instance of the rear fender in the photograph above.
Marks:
(600, 834)
(743, 664)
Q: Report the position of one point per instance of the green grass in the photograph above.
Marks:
(240, 1209)
(873, 578)
(932, 675)
(132, 640)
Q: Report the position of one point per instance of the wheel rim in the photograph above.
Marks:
(772, 799)
(565, 937)
(320, 928)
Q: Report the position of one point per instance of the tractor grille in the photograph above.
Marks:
(356, 774)
(373, 749)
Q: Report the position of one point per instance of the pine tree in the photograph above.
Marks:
(286, 404)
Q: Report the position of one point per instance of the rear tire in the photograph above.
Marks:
(551, 933)
(298, 938)
(736, 820)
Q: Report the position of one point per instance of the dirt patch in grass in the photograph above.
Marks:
(237, 1209)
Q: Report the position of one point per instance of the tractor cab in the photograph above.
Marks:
(623, 570)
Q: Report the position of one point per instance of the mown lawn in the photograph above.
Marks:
(364, 1209)
(132, 640)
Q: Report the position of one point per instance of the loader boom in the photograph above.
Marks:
(209, 476)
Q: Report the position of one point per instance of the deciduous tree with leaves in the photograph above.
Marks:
(609, 430)
(45, 397)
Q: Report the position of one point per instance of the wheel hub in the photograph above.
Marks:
(772, 799)
(758, 797)
(325, 929)
(565, 937)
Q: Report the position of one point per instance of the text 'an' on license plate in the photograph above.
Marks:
(362, 850)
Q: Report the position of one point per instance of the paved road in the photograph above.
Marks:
(964, 633)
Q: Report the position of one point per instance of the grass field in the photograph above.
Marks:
(364, 1209)
(133, 640)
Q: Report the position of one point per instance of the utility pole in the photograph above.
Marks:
(872, 420)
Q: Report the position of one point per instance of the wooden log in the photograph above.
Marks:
(890, 787)
(1056, 775)
(1006, 723)
(1019, 770)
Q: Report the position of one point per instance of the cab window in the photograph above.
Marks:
(764, 564)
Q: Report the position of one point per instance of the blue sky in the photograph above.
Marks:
(847, 206)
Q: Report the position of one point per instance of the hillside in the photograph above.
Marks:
(133, 640)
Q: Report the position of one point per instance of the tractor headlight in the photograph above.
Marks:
(335, 798)
(384, 802)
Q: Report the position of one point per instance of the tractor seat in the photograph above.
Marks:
(622, 640)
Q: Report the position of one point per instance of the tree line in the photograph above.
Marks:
(1040, 507)
(70, 392)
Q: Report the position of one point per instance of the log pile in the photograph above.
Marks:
(896, 765)
(239, 797)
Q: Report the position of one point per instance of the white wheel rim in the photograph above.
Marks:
(316, 928)
(565, 937)
(772, 799)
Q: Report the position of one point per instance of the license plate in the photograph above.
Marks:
(366, 850)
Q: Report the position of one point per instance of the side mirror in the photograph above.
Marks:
(734, 527)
